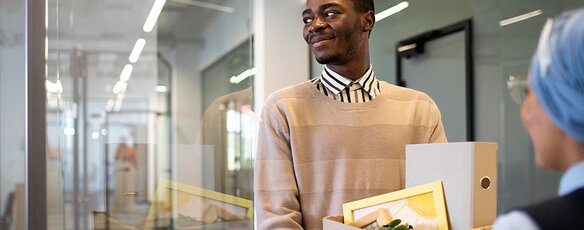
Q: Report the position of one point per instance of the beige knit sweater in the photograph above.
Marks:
(315, 153)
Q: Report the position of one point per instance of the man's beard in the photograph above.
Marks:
(340, 57)
(336, 58)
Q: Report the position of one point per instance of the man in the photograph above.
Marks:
(553, 114)
(342, 136)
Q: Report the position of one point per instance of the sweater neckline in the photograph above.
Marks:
(309, 87)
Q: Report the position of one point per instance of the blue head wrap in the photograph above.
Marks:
(557, 72)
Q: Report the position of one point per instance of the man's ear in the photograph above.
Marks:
(368, 21)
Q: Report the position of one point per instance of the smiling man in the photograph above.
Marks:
(339, 137)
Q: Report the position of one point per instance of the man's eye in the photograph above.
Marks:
(329, 14)
(307, 20)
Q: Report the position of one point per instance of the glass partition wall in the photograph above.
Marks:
(12, 114)
(149, 120)
(131, 141)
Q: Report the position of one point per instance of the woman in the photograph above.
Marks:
(553, 114)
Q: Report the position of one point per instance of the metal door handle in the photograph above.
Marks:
(130, 193)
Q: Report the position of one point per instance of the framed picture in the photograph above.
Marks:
(422, 207)
(181, 206)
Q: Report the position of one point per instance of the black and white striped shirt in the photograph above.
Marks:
(343, 89)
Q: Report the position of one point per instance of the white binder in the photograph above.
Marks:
(469, 173)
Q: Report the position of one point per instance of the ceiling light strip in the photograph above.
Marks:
(207, 5)
(126, 72)
(242, 76)
(519, 18)
(120, 87)
(137, 50)
(161, 88)
(153, 15)
(391, 11)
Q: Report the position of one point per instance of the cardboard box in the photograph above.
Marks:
(469, 173)
(336, 223)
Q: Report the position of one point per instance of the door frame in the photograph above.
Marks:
(414, 46)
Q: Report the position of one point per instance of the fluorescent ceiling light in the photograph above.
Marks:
(120, 87)
(391, 11)
(242, 76)
(206, 5)
(126, 72)
(406, 47)
(137, 50)
(161, 88)
(119, 101)
(153, 15)
(54, 87)
(69, 131)
(519, 18)
(109, 106)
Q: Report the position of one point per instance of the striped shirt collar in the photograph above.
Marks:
(336, 83)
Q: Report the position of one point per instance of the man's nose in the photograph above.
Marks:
(317, 24)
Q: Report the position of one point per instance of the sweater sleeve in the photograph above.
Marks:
(438, 135)
(275, 188)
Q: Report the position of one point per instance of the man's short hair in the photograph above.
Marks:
(364, 6)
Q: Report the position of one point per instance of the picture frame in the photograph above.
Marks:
(423, 206)
(182, 206)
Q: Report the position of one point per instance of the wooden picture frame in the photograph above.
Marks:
(177, 204)
(423, 207)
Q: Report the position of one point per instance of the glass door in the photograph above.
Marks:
(149, 120)
(439, 63)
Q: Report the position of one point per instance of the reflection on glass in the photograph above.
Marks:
(183, 206)
(103, 114)
(125, 176)
(228, 121)
(125, 109)
(517, 87)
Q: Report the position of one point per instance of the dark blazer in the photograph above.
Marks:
(564, 212)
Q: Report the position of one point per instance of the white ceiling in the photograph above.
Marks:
(105, 31)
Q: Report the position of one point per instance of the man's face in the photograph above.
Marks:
(333, 30)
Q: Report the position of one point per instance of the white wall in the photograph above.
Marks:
(281, 55)
(11, 119)
(186, 95)
(11, 98)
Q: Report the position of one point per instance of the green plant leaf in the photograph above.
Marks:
(401, 227)
(394, 223)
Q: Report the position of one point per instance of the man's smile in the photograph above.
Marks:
(318, 41)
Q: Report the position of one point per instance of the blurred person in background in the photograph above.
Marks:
(553, 115)
(126, 160)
